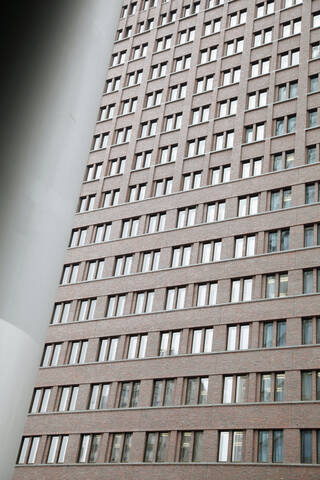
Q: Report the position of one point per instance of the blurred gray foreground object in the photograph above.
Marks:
(54, 63)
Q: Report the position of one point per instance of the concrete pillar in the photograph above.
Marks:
(55, 57)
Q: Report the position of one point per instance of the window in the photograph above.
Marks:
(28, 450)
(176, 92)
(147, 129)
(260, 67)
(196, 391)
(288, 90)
(120, 447)
(289, 59)
(200, 114)
(116, 304)
(181, 256)
(93, 172)
(108, 349)
(156, 447)
(244, 246)
(110, 198)
(274, 333)
(118, 58)
(163, 391)
(210, 251)
(134, 78)
(278, 240)
(102, 233)
(248, 205)
(128, 106)
(168, 17)
(61, 313)
(306, 445)
(315, 50)
(311, 235)
(143, 160)
(68, 398)
(112, 85)
(94, 270)
(156, 222)
(224, 140)
(230, 76)
(78, 351)
(214, 3)
(314, 83)
(106, 112)
(172, 122)
(153, 99)
(169, 343)
(235, 388)
(214, 26)
(86, 204)
(196, 146)
(215, 211)
(265, 8)
(238, 337)
(206, 294)
(311, 280)
(276, 285)
(220, 174)
(89, 447)
(280, 199)
(40, 400)
(99, 396)
(270, 446)
(291, 28)
(78, 237)
(149, 4)
(168, 153)
(159, 70)
(241, 290)
(139, 51)
(251, 167)
(190, 446)
(208, 54)
(187, 35)
(202, 340)
(122, 135)
(227, 107)
(129, 394)
(272, 387)
(233, 439)
(236, 18)
(130, 227)
(204, 84)
(262, 37)
(312, 193)
(312, 117)
(57, 448)
(175, 298)
(191, 9)
(163, 43)
(143, 301)
(51, 354)
(254, 133)
(137, 192)
(234, 46)
(123, 265)
(191, 181)
(137, 345)
(181, 63)
(186, 217)
(283, 160)
(146, 25)
(291, 3)
(163, 187)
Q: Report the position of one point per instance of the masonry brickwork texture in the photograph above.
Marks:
(242, 143)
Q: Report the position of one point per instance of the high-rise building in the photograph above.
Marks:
(183, 340)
